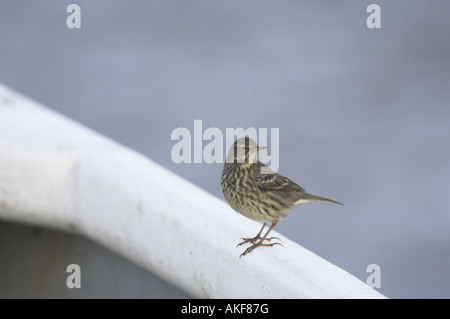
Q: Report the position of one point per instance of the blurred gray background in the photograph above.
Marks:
(364, 118)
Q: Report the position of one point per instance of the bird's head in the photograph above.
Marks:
(244, 150)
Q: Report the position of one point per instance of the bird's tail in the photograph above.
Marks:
(313, 198)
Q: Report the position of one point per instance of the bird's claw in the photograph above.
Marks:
(259, 244)
(254, 240)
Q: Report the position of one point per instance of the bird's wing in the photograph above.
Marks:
(275, 182)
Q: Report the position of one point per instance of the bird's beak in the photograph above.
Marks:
(261, 148)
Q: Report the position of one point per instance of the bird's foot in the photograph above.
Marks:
(259, 244)
(254, 240)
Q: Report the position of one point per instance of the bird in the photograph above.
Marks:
(254, 190)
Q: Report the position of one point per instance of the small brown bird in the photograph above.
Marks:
(257, 192)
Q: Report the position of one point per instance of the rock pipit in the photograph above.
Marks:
(255, 191)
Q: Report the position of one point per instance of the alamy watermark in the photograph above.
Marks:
(74, 279)
(73, 21)
(374, 279)
(211, 145)
(373, 21)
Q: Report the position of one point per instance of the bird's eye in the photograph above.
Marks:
(243, 148)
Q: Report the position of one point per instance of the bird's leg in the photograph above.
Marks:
(260, 243)
(256, 238)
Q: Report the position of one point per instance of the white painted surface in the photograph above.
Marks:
(57, 173)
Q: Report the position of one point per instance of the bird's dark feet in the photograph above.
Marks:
(254, 240)
(259, 244)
